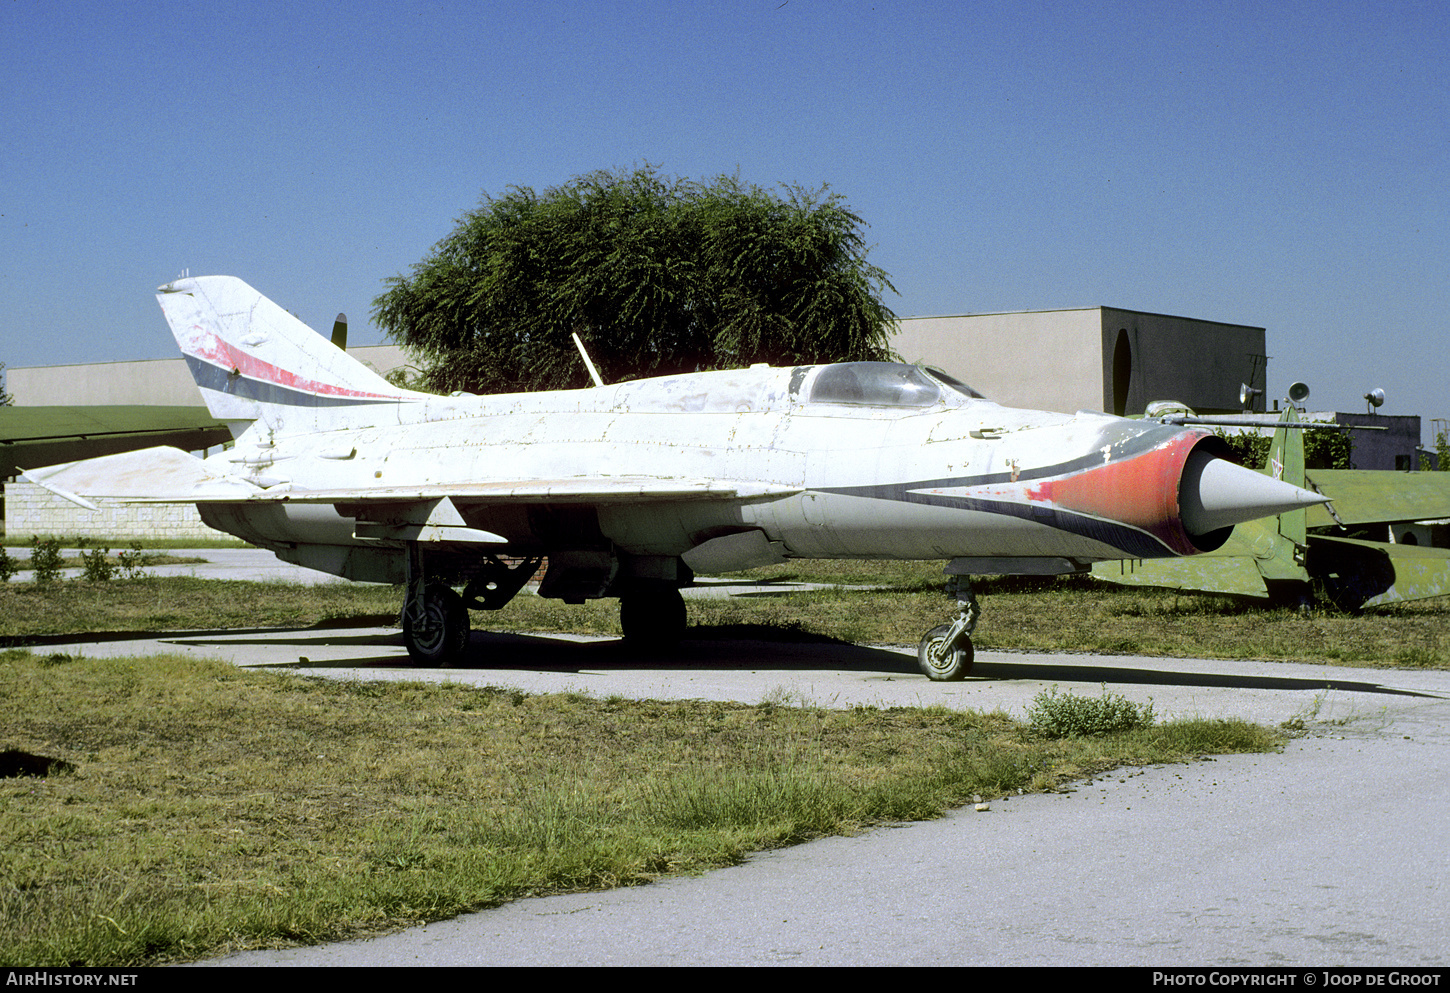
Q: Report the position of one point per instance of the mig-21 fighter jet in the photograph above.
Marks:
(629, 490)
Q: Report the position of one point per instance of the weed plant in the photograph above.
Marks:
(44, 560)
(97, 566)
(1065, 715)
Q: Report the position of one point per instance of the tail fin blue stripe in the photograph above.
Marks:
(210, 377)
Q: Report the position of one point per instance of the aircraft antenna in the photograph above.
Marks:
(593, 373)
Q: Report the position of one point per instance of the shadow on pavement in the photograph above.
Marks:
(756, 648)
(741, 647)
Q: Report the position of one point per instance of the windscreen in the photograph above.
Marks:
(884, 384)
(954, 383)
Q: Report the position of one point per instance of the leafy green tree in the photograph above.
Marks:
(656, 276)
(5, 398)
(1328, 450)
(1247, 449)
(1323, 449)
(1442, 452)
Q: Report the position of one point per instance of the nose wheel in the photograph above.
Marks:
(946, 653)
(944, 658)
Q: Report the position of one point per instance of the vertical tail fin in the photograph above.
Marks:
(1286, 462)
(253, 361)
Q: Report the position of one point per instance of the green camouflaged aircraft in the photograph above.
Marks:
(1343, 554)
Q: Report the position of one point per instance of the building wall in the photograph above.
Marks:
(1063, 360)
(31, 509)
(164, 382)
(1046, 360)
(1393, 445)
(156, 381)
(1100, 358)
(1396, 447)
(1199, 363)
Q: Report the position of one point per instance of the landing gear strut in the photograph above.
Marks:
(435, 626)
(435, 619)
(945, 653)
(652, 614)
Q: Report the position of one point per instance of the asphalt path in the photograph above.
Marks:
(1331, 853)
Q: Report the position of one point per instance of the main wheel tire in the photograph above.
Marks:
(436, 632)
(957, 663)
(653, 616)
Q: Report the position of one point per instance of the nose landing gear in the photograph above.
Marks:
(946, 653)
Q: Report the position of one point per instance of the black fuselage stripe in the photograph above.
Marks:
(1133, 541)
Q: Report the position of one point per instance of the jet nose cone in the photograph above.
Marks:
(1216, 493)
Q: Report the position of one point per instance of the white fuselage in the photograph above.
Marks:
(876, 479)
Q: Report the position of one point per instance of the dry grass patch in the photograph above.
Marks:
(899, 601)
(180, 603)
(211, 808)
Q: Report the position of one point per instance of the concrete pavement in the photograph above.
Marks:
(1330, 854)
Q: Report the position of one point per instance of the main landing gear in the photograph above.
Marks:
(435, 618)
(435, 624)
(652, 614)
(945, 653)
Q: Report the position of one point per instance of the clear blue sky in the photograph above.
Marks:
(1278, 164)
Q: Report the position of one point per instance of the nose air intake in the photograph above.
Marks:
(1215, 494)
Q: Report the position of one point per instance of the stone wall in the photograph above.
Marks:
(32, 509)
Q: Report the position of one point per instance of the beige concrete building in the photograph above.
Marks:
(152, 382)
(28, 509)
(1099, 358)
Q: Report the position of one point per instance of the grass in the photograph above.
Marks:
(212, 809)
(112, 541)
(1058, 615)
(143, 561)
(1079, 614)
(184, 603)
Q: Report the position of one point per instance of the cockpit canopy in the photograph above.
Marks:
(883, 384)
